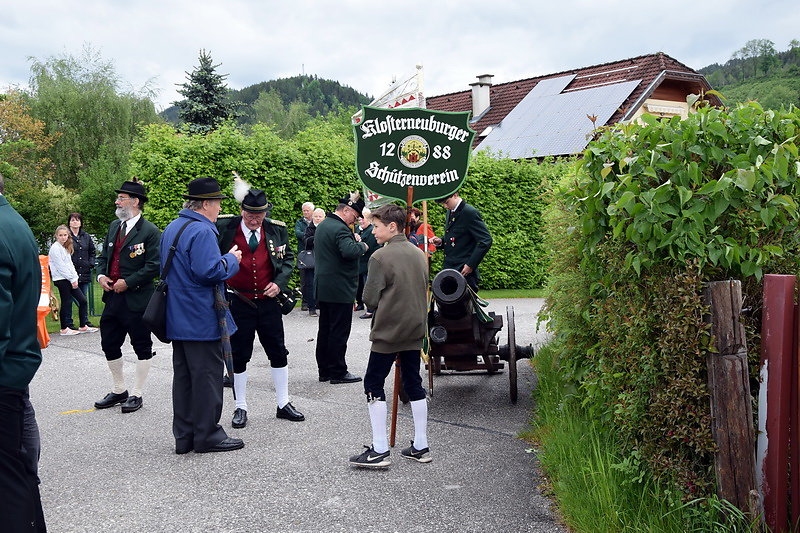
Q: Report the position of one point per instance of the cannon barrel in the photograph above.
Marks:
(450, 290)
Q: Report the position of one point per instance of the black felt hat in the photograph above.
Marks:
(133, 188)
(354, 201)
(204, 189)
(255, 201)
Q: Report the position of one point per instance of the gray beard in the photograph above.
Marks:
(122, 213)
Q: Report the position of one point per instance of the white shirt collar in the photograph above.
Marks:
(131, 222)
(246, 231)
(458, 204)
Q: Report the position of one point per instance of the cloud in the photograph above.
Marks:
(363, 44)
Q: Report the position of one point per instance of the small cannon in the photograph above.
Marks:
(463, 337)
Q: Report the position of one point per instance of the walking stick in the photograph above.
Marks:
(395, 399)
(396, 391)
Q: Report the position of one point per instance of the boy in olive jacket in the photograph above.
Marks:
(396, 288)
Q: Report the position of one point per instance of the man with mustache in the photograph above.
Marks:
(129, 261)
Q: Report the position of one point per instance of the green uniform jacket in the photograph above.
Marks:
(139, 261)
(275, 233)
(368, 237)
(466, 238)
(336, 255)
(20, 287)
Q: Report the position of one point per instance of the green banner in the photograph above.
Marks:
(401, 148)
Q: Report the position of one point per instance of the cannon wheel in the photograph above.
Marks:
(512, 354)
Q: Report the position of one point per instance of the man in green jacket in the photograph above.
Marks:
(336, 254)
(466, 238)
(20, 357)
(128, 263)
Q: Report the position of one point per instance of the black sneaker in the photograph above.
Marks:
(371, 459)
(420, 456)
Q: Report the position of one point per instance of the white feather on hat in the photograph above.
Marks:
(240, 188)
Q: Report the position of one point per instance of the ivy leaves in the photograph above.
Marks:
(718, 187)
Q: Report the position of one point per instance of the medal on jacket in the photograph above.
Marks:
(138, 249)
(453, 242)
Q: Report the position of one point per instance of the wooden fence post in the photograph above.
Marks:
(729, 385)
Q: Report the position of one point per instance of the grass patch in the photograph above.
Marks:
(512, 293)
(598, 487)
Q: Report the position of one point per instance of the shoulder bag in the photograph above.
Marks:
(155, 315)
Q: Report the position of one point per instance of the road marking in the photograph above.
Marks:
(77, 411)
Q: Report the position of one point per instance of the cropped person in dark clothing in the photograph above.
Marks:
(83, 257)
(308, 243)
(365, 229)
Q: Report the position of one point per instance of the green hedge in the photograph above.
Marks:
(318, 165)
(657, 210)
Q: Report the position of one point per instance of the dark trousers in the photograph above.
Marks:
(362, 279)
(379, 366)
(266, 320)
(117, 322)
(307, 276)
(197, 394)
(303, 273)
(20, 502)
(335, 320)
(83, 314)
(67, 293)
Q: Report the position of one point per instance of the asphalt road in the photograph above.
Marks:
(107, 471)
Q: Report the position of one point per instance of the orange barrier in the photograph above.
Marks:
(43, 309)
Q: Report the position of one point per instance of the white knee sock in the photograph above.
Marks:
(419, 409)
(142, 368)
(280, 377)
(377, 416)
(116, 374)
(240, 389)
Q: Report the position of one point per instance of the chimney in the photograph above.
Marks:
(480, 94)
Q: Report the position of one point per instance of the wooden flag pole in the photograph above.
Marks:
(396, 391)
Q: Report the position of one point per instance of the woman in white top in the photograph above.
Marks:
(65, 278)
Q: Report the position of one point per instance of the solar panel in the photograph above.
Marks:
(548, 123)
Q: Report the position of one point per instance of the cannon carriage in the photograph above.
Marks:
(464, 338)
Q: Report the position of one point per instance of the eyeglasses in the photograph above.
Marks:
(121, 198)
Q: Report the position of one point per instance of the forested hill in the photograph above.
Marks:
(318, 96)
(758, 71)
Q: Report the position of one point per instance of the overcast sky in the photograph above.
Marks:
(364, 43)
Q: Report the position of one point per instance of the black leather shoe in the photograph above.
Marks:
(226, 381)
(111, 399)
(181, 449)
(324, 378)
(228, 445)
(347, 378)
(239, 418)
(133, 403)
(359, 307)
(288, 412)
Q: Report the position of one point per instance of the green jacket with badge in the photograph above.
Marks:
(336, 256)
(276, 234)
(139, 261)
(466, 238)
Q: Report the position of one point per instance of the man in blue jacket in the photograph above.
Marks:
(196, 293)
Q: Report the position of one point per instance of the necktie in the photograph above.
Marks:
(122, 231)
(253, 241)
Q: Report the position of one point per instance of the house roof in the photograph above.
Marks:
(643, 73)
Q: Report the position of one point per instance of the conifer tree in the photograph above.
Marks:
(206, 104)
